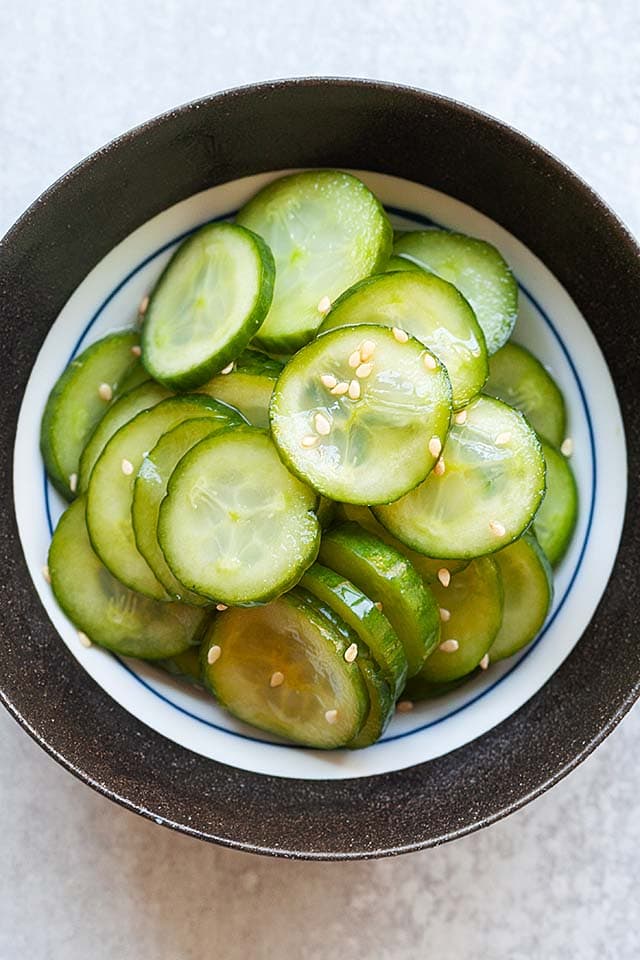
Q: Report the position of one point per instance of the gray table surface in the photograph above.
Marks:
(81, 877)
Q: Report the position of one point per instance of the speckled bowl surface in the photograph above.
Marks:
(463, 772)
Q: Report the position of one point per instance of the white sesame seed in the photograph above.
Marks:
(136, 351)
(105, 392)
(354, 390)
(227, 369)
(144, 303)
(445, 615)
(503, 439)
(340, 388)
(367, 349)
(404, 706)
(46, 574)
(331, 716)
(378, 605)
(84, 639)
(214, 654)
(277, 679)
(351, 653)
(328, 380)
(73, 482)
(127, 467)
(429, 361)
(221, 606)
(309, 441)
(444, 576)
(324, 305)
(566, 448)
(364, 370)
(435, 446)
(449, 646)
(484, 663)
(400, 335)
(461, 416)
(497, 528)
(439, 467)
(322, 424)
(355, 359)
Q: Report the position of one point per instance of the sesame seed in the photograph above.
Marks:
(144, 303)
(331, 716)
(503, 439)
(435, 446)
(277, 679)
(439, 468)
(322, 424)
(328, 380)
(484, 663)
(221, 607)
(367, 349)
(309, 441)
(136, 351)
(127, 467)
(354, 390)
(400, 335)
(461, 417)
(355, 359)
(444, 576)
(227, 369)
(46, 574)
(497, 528)
(340, 388)
(445, 615)
(364, 370)
(449, 646)
(73, 482)
(105, 392)
(324, 305)
(84, 639)
(404, 706)
(214, 654)
(351, 653)
(430, 361)
(566, 448)
(378, 605)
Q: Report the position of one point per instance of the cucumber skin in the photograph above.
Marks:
(204, 371)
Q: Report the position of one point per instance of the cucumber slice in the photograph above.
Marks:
(493, 483)
(556, 519)
(477, 269)
(281, 667)
(326, 231)
(105, 610)
(110, 493)
(428, 567)
(430, 309)
(248, 386)
(208, 303)
(362, 615)
(150, 488)
(402, 263)
(325, 512)
(396, 407)
(381, 702)
(235, 525)
(473, 602)
(527, 579)
(134, 378)
(386, 576)
(184, 666)
(77, 403)
(125, 408)
(518, 378)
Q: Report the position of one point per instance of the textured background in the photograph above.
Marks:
(83, 878)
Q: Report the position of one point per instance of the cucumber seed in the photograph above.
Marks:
(354, 390)
(429, 361)
(355, 359)
(445, 615)
(340, 388)
(503, 439)
(213, 654)
(484, 663)
(400, 335)
(324, 305)
(328, 380)
(498, 528)
(84, 639)
(105, 392)
(277, 679)
(227, 369)
(351, 653)
(439, 468)
(127, 467)
(367, 349)
(73, 482)
(331, 716)
(309, 441)
(449, 646)
(444, 576)
(322, 425)
(364, 370)
(566, 448)
(435, 446)
(461, 417)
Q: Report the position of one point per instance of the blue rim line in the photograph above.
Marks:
(423, 221)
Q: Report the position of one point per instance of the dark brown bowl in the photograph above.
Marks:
(307, 123)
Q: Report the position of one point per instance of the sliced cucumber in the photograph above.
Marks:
(326, 231)
(430, 309)
(528, 591)
(395, 263)
(281, 667)
(235, 525)
(479, 272)
(556, 519)
(184, 666)
(362, 615)
(248, 386)
(326, 512)
(78, 402)
(518, 378)
(105, 610)
(398, 406)
(150, 488)
(110, 493)
(125, 408)
(208, 303)
(493, 483)
(386, 576)
(471, 610)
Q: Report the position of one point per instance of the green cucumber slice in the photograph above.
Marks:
(556, 519)
(477, 269)
(326, 231)
(402, 263)
(106, 611)
(184, 666)
(430, 309)
(150, 488)
(398, 405)
(528, 591)
(362, 615)
(281, 668)
(78, 402)
(518, 378)
(125, 408)
(472, 605)
(248, 386)
(110, 493)
(235, 525)
(326, 512)
(208, 303)
(386, 576)
(493, 483)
